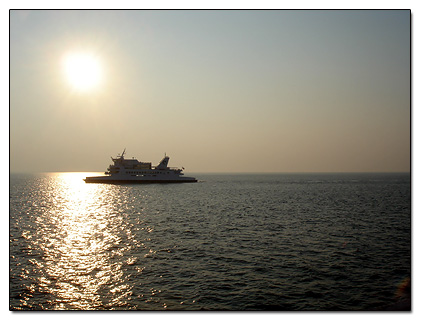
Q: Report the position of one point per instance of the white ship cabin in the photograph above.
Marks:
(134, 167)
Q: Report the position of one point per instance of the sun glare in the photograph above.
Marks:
(83, 71)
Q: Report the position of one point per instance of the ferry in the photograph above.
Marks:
(133, 171)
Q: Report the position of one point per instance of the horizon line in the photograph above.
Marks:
(226, 172)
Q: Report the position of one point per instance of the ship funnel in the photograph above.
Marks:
(163, 163)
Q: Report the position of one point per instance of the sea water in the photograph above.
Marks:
(286, 242)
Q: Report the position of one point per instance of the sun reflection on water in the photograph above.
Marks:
(80, 238)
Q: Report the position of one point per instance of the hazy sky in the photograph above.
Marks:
(218, 91)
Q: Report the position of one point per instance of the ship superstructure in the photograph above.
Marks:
(133, 171)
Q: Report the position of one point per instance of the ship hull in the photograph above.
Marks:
(110, 180)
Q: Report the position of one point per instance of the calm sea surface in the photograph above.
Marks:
(229, 242)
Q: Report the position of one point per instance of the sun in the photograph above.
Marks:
(83, 71)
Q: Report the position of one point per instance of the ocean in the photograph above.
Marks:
(234, 242)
